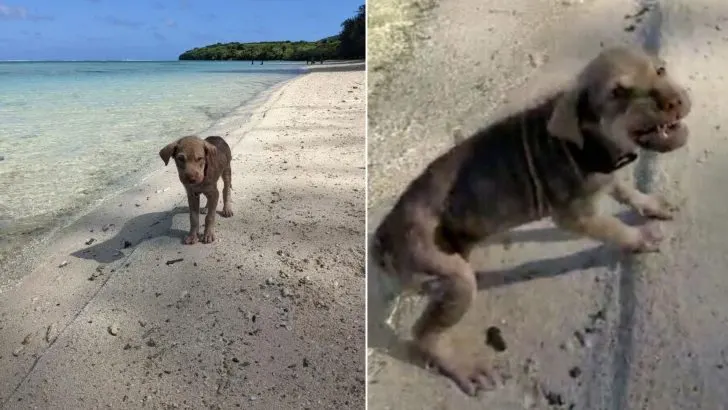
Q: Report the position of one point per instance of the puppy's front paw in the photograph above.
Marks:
(656, 206)
(208, 237)
(649, 238)
(226, 212)
(191, 239)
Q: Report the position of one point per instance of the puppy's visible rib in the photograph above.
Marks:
(554, 159)
(200, 164)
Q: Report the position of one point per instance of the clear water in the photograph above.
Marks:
(72, 132)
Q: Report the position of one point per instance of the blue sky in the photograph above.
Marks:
(157, 29)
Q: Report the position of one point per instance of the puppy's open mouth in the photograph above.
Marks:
(661, 131)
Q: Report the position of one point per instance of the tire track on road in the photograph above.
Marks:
(629, 268)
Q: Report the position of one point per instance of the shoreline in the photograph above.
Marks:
(292, 256)
(34, 238)
(36, 242)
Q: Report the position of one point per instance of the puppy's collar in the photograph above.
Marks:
(599, 154)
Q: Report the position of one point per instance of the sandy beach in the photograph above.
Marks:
(117, 313)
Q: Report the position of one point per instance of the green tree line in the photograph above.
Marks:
(348, 44)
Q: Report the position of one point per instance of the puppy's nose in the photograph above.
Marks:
(671, 103)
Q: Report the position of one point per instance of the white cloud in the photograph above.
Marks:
(20, 13)
(12, 13)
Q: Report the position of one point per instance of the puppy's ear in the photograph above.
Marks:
(167, 152)
(564, 121)
(210, 151)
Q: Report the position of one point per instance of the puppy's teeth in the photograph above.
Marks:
(663, 132)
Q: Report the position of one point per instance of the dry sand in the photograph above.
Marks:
(584, 325)
(269, 316)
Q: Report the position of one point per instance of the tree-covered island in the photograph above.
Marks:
(347, 45)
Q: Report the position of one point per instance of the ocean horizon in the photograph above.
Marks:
(74, 132)
(281, 62)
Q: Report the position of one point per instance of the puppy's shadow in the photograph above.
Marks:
(542, 235)
(134, 232)
(544, 268)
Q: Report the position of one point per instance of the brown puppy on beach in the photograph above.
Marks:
(200, 164)
(554, 159)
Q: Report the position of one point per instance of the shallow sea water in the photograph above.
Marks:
(73, 132)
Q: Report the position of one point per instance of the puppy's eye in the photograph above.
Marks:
(199, 159)
(180, 159)
(661, 71)
(621, 92)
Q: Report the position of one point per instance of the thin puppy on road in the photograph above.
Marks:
(200, 164)
(554, 159)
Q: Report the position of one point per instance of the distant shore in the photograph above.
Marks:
(343, 65)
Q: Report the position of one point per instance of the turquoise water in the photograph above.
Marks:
(72, 132)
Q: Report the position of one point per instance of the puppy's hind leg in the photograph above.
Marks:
(227, 210)
(447, 306)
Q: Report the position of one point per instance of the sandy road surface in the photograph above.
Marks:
(269, 316)
(588, 326)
